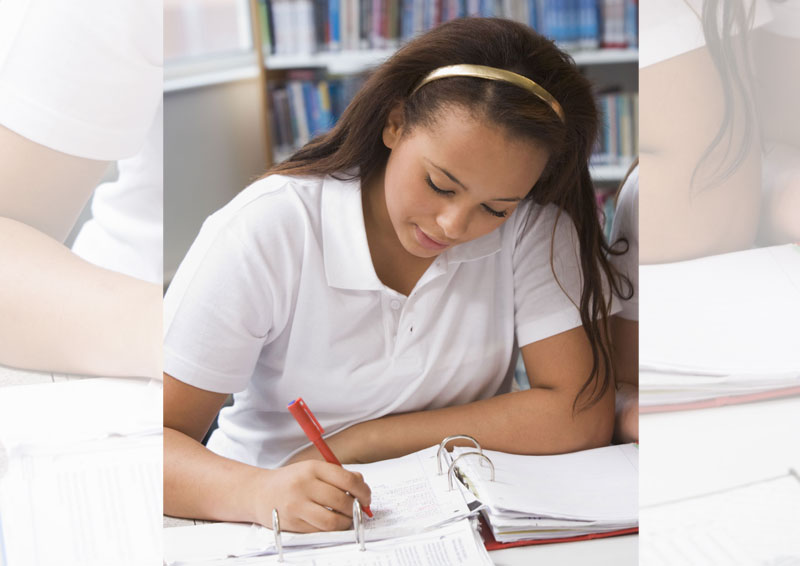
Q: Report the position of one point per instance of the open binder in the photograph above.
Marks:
(558, 498)
(720, 330)
(412, 496)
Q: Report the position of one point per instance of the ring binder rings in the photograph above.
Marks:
(276, 531)
(443, 447)
(358, 525)
(452, 467)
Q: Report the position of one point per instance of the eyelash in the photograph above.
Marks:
(437, 190)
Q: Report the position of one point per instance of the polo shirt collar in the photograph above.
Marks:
(476, 249)
(348, 263)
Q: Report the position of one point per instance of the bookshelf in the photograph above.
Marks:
(308, 59)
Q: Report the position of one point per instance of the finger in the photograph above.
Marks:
(297, 525)
(351, 482)
(322, 519)
(327, 495)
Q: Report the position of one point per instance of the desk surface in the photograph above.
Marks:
(689, 453)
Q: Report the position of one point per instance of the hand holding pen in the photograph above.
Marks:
(313, 430)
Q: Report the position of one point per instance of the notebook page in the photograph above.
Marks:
(757, 523)
(408, 496)
(92, 504)
(599, 484)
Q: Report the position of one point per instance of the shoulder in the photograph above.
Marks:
(539, 223)
(271, 210)
(82, 77)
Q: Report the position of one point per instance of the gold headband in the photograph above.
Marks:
(493, 74)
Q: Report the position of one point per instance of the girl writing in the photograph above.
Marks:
(388, 273)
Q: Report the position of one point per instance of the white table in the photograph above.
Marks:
(689, 453)
(693, 453)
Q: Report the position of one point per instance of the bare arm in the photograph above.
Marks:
(58, 312)
(681, 112)
(625, 340)
(310, 496)
(536, 421)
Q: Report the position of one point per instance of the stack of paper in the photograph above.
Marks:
(720, 329)
(408, 496)
(83, 485)
(552, 497)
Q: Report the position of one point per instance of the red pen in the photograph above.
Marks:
(310, 425)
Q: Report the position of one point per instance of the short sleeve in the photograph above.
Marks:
(545, 296)
(83, 77)
(231, 295)
(626, 225)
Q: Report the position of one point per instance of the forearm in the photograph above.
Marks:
(537, 421)
(199, 484)
(61, 313)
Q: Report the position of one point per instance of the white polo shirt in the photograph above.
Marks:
(85, 78)
(278, 298)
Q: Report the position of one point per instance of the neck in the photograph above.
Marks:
(394, 266)
(380, 232)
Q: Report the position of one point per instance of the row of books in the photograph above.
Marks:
(618, 142)
(308, 104)
(305, 106)
(291, 27)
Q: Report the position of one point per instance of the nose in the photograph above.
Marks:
(454, 221)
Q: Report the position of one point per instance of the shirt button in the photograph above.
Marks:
(395, 304)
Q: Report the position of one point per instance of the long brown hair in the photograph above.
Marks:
(356, 141)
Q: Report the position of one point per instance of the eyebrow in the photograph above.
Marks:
(455, 180)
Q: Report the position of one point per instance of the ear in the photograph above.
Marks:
(393, 128)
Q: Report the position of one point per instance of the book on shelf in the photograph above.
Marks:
(310, 102)
(307, 104)
(291, 27)
(617, 143)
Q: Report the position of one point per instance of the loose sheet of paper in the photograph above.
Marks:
(92, 504)
(83, 480)
(755, 524)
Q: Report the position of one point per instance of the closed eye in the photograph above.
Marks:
(493, 212)
(490, 210)
(437, 189)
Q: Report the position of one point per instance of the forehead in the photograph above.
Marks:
(481, 155)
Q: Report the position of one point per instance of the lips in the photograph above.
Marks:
(427, 242)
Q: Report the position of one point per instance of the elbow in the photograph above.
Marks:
(595, 425)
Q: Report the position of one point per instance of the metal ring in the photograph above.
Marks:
(443, 446)
(276, 531)
(358, 525)
(453, 467)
